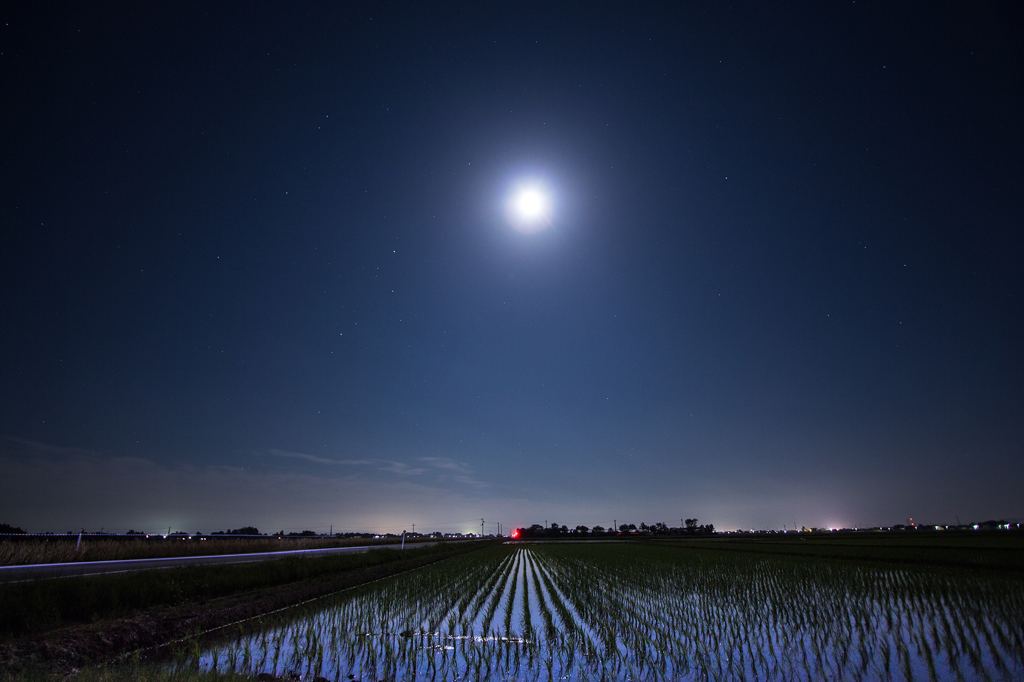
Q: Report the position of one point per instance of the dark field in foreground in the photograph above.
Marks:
(646, 612)
(53, 626)
(857, 608)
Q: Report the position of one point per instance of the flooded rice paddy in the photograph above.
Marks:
(634, 612)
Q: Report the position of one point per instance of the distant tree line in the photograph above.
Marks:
(690, 527)
(244, 530)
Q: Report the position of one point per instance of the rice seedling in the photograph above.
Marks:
(579, 612)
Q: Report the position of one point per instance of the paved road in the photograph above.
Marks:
(84, 568)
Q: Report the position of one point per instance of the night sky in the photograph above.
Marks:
(257, 265)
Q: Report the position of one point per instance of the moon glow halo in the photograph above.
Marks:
(529, 209)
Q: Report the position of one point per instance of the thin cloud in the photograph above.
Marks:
(460, 473)
(303, 455)
(445, 463)
(48, 449)
(378, 464)
(67, 493)
(400, 468)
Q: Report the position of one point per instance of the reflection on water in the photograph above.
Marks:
(578, 612)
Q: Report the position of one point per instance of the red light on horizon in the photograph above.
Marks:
(515, 533)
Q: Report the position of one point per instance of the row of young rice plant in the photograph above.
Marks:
(627, 611)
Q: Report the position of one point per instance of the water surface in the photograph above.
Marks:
(594, 612)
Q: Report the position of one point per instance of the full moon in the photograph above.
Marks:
(529, 209)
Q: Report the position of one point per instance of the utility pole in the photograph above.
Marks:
(332, 530)
(481, 527)
(615, 525)
(414, 528)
